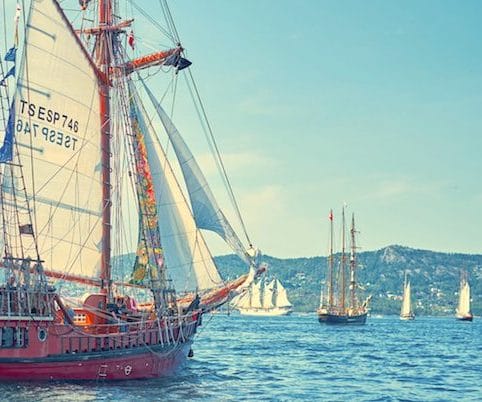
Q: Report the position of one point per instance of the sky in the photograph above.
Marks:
(314, 104)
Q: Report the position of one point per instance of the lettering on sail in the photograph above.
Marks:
(47, 124)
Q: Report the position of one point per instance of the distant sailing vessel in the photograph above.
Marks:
(264, 299)
(335, 310)
(463, 312)
(83, 168)
(406, 312)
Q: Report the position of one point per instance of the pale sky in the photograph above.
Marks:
(316, 103)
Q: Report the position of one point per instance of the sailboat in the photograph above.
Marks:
(264, 299)
(336, 310)
(463, 312)
(80, 152)
(406, 312)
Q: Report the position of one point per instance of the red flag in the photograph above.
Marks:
(330, 216)
(130, 39)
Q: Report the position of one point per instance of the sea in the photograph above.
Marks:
(294, 358)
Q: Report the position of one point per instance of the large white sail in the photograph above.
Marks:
(463, 308)
(281, 296)
(268, 295)
(57, 130)
(406, 303)
(205, 209)
(256, 295)
(189, 262)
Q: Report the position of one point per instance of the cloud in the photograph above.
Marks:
(395, 187)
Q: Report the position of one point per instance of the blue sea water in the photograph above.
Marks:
(296, 358)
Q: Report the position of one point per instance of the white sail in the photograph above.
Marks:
(206, 211)
(406, 303)
(58, 136)
(268, 295)
(463, 308)
(256, 295)
(244, 300)
(189, 262)
(281, 296)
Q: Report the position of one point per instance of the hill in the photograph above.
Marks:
(434, 277)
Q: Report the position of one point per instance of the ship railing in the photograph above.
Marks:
(26, 303)
(167, 331)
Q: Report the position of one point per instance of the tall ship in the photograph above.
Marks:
(264, 298)
(406, 312)
(463, 312)
(340, 303)
(86, 177)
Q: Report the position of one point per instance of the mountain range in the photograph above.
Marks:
(434, 278)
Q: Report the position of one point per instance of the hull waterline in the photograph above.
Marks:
(334, 319)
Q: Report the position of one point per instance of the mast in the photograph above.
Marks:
(353, 299)
(342, 264)
(103, 51)
(330, 263)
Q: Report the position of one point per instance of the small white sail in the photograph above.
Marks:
(463, 308)
(57, 130)
(244, 300)
(256, 295)
(406, 310)
(268, 295)
(281, 296)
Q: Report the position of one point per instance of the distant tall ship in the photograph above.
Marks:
(406, 312)
(334, 307)
(264, 299)
(463, 312)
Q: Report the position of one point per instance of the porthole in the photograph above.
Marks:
(42, 335)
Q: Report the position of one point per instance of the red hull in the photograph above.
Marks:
(44, 347)
(148, 364)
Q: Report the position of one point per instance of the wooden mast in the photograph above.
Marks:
(342, 267)
(103, 51)
(353, 300)
(330, 263)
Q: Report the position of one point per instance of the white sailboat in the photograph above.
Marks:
(264, 299)
(463, 312)
(406, 312)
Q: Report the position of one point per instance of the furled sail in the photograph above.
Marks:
(268, 295)
(206, 211)
(149, 259)
(282, 296)
(57, 130)
(189, 262)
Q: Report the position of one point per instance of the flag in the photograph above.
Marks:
(9, 73)
(26, 229)
(172, 60)
(131, 40)
(182, 64)
(6, 151)
(330, 215)
(10, 55)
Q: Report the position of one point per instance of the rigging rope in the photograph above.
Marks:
(201, 111)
